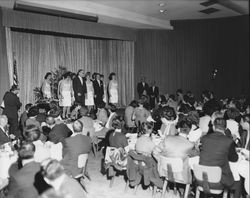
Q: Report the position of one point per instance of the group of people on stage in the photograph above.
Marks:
(83, 89)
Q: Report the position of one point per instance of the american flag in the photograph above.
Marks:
(15, 77)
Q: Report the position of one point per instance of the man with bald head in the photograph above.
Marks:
(74, 146)
(4, 136)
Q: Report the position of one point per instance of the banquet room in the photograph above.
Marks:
(124, 98)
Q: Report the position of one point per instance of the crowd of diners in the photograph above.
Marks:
(212, 129)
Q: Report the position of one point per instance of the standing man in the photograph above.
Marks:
(142, 87)
(11, 106)
(79, 87)
(153, 93)
(99, 91)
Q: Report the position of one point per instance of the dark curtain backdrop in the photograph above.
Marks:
(186, 57)
(37, 54)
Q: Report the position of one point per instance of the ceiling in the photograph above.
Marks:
(141, 13)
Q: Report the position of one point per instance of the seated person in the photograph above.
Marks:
(58, 131)
(195, 133)
(32, 114)
(64, 185)
(129, 123)
(74, 146)
(32, 134)
(102, 114)
(116, 137)
(169, 120)
(112, 114)
(4, 135)
(232, 125)
(246, 131)
(88, 123)
(217, 150)
(140, 113)
(21, 183)
(144, 144)
(24, 115)
(176, 146)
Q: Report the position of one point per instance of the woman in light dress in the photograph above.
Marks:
(46, 86)
(66, 94)
(89, 98)
(113, 89)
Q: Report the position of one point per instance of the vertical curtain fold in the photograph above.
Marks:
(9, 54)
(37, 54)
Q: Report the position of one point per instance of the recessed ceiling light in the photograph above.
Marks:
(161, 4)
(163, 11)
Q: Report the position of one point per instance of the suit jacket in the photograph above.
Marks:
(79, 88)
(59, 132)
(141, 88)
(153, 94)
(217, 150)
(11, 105)
(98, 89)
(3, 137)
(21, 183)
(72, 148)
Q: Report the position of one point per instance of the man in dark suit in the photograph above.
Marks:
(217, 150)
(58, 131)
(4, 136)
(98, 88)
(74, 146)
(21, 182)
(79, 87)
(11, 106)
(63, 185)
(142, 87)
(153, 93)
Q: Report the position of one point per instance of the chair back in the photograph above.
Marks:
(213, 173)
(174, 169)
(82, 160)
(116, 156)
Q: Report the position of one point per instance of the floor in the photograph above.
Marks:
(98, 187)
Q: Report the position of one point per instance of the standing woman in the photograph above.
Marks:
(46, 86)
(66, 94)
(89, 99)
(113, 89)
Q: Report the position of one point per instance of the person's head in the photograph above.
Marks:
(97, 76)
(33, 111)
(88, 75)
(94, 76)
(133, 103)
(67, 76)
(179, 92)
(141, 102)
(232, 113)
(101, 105)
(162, 99)
(190, 94)
(50, 120)
(31, 133)
(193, 117)
(73, 75)
(83, 111)
(147, 127)
(80, 73)
(26, 151)
(216, 114)
(3, 121)
(184, 126)
(172, 96)
(15, 89)
(117, 122)
(205, 95)
(52, 170)
(168, 113)
(112, 76)
(101, 77)
(219, 124)
(48, 76)
(28, 106)
(153, 83)
(112, 108)
(143, 79)
(77, 126)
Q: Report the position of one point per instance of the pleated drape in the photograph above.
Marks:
(37, 54)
